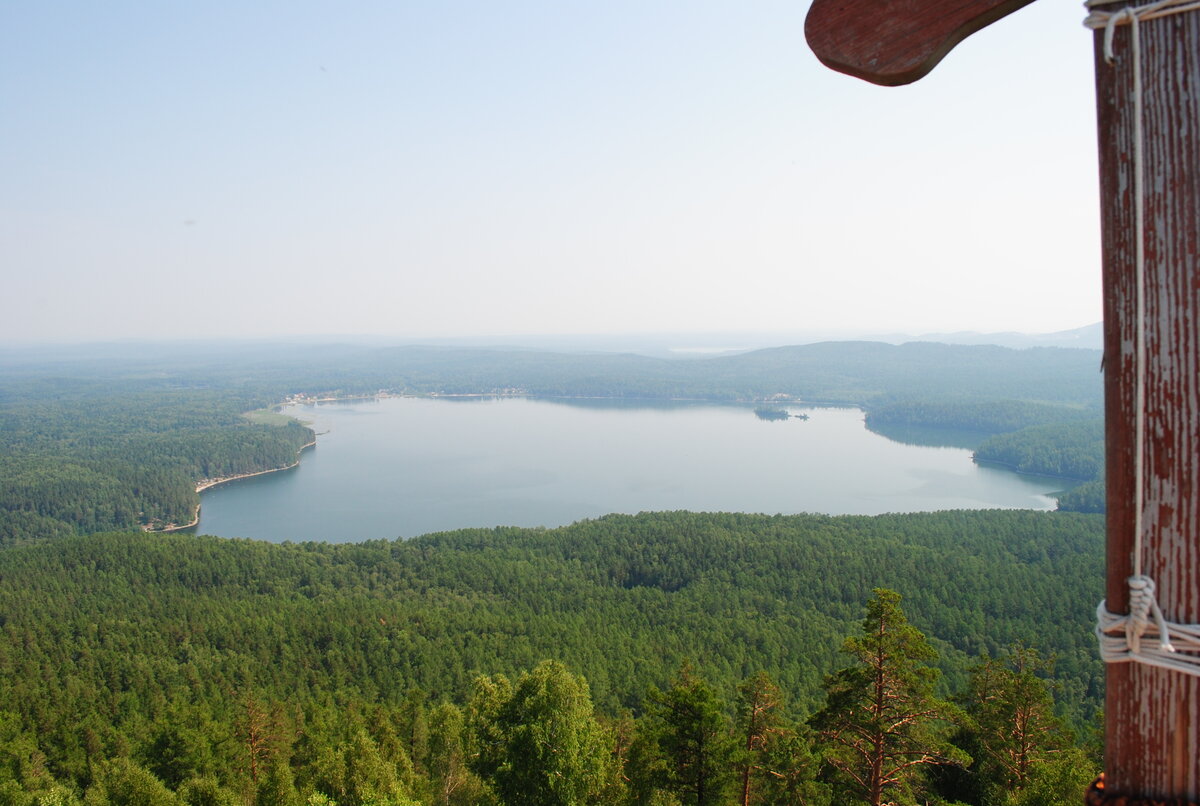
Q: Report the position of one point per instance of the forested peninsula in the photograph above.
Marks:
(120, 437)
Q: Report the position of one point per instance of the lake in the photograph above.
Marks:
(401, 467)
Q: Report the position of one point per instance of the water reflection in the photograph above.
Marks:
(406, 466)
(930, 437)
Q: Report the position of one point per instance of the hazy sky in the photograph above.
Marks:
(462, 167)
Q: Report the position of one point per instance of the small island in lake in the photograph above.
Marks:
(772, 413)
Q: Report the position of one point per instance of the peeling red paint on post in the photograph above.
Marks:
(1153, 715)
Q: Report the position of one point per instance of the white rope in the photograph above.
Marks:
(1120, 635)
(1130, 15)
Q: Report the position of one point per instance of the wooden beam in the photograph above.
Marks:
(1153, 715)
(893, 42)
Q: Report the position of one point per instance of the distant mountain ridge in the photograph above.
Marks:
(1088, 337)
(704, 345)
(857, 372)
(690, 345)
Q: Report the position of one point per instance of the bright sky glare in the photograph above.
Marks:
(462, 168)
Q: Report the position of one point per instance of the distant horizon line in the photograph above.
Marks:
(808, 335)
(681, 345)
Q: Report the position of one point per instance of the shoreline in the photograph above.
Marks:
(208, 484)
(1060, 484)
(307, 400)
(1012, 468)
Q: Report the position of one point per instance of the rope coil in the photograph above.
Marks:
(1121, 636)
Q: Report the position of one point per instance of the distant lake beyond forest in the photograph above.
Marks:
(401, 467)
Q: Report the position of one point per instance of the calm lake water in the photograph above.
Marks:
(400, 467)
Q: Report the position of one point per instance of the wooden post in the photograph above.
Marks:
(1153, 715)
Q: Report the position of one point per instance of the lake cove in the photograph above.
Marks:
(401, 467)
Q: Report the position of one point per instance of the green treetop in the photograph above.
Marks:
(540, 744)
(881, 724)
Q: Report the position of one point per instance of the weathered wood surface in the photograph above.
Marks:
(893, 42)
(1153, 715)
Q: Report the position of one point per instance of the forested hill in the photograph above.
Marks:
(861, 373)
(870, 373)
(114, 644)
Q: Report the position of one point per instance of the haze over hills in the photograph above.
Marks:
(660, 345)
(1089, 337)
(700, 344)
(855, 372)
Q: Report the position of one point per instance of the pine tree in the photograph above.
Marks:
(1022, 749)
(759, 701)
(881, 723)
(789, 771)
(694, 740)
(175, 754)
(258, 731)
(414, 728)
(777, 763)
(277, 787)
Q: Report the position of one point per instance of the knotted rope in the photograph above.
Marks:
(1121, 636)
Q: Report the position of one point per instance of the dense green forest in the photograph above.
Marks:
(100, 438)
(179, 669)
(986, 416)
(170, 669)
(1072, 450)
(1088, 497)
